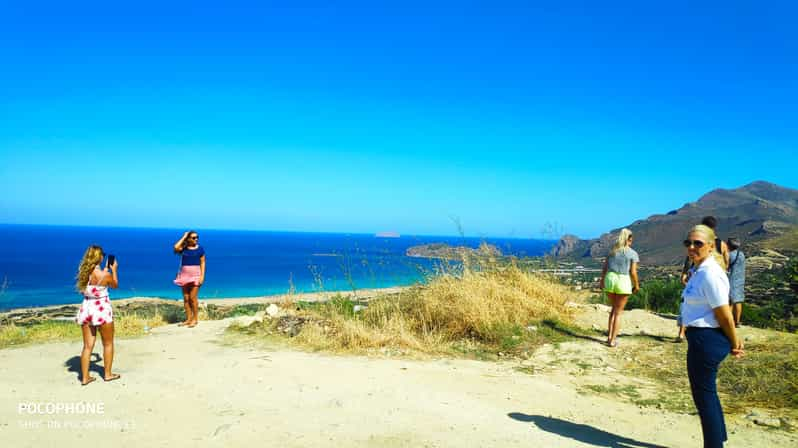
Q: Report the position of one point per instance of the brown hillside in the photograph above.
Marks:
(756, 212)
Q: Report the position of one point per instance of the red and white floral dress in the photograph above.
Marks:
(96, 308)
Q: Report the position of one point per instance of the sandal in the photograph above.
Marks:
(91, 380)
(115, 376)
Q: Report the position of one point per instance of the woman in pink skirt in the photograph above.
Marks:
(191, 275)
(95, 311)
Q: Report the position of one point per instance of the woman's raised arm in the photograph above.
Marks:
(179, 244)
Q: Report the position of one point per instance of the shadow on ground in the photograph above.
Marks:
(586, 335)
(582, 433)
(73, 365)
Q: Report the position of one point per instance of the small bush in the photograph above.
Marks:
(791, 272)
(338, 306)
(173, 314)
(249, 309)
(661, 296)
(755, 315)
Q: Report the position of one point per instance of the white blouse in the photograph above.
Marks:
(707, 289)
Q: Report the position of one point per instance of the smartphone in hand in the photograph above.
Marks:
(111, 260)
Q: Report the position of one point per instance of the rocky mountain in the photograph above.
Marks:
(571, 245)
(757, 212)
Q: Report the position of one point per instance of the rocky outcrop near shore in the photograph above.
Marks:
(571, 245)
(445, 251)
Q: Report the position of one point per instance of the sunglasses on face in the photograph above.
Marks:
(698, 244)
(194, 238)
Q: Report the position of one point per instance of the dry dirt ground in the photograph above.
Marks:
(191, 387)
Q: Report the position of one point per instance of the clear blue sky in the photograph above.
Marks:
(358, 117)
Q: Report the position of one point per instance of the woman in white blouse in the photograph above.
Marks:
(711, 335)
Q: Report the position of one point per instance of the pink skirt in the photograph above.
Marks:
(188, 275)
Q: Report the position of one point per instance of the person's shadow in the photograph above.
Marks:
(582, 433)
(73, 365)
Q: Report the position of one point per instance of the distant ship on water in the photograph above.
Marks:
(387, 235)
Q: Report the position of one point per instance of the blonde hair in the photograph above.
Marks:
(91, 258)
(710, 236)
(622, 241)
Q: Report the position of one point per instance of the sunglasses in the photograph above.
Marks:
(193, 238)
(698, 244)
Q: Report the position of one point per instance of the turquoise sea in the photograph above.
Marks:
(38, 263)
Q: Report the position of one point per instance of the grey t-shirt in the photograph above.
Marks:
(622, 260)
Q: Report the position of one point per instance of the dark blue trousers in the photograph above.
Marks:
(706, 348)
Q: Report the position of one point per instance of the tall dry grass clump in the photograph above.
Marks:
(480, 307)
(473, 305)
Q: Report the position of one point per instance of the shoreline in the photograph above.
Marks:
(360, 294)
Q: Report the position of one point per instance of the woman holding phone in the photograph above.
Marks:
(191, 275)
(95, 312)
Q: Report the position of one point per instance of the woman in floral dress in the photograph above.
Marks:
(96, 312)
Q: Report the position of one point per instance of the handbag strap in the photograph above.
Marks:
(736, 256)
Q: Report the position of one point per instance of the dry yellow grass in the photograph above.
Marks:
(486, 307)
(51, 331)
(13, 335)
(134, 324)
(766, 377)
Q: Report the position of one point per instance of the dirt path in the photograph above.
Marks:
(182, 387)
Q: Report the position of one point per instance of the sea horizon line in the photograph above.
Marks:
(307, 232)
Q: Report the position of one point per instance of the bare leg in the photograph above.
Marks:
(737, 312)
(194, 305)
(186, 305)
(107, 334)
(89, 338)
(617, 308)
(611, 319)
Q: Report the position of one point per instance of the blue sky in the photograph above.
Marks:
(363, 117)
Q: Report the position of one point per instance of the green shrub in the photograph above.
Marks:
(755, 315)
(173, 314)
(249, 309)
(661, 296)
(792, 274)
(506, 335)
(338, 306)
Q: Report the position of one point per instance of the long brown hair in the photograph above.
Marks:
(188, 236)
(91, 258)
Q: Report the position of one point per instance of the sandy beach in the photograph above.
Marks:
(199, 387)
